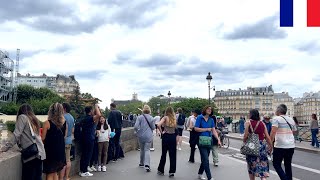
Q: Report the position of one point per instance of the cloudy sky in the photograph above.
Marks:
(117, 47)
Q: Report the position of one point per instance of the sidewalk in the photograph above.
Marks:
(127, 168)
(302, 146)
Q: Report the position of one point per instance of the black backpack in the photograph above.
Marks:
(181, 119)
(78, 128)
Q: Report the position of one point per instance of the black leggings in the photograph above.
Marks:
(32, 170)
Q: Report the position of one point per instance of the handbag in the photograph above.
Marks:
(205, 141)
(31, 150)
(252, 145)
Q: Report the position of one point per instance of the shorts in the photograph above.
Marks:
(67, 150)
(180, 130)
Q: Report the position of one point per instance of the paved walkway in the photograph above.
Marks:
(127, 168)
(303, 146)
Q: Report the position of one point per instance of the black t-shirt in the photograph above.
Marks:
(88, 128)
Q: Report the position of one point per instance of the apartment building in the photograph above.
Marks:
(284, 98)
(306, 106)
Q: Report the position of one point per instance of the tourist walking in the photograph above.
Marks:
(115, 122)
(53, 133)
(258, 166)
(88, 137)
(169, 141)
(314, 127)
(194, 138)
(206, 127)
(144, 127)
(282, 135)
(215, 146)
(103, 131)
(181, 118)
(93, 165)
(68, 141)
(241, 125)
(26, 135)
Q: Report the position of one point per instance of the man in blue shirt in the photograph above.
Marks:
(68, 140)
(88, 136)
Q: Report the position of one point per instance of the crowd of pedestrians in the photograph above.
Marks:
(47, 149)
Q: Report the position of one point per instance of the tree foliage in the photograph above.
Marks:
(190, 104)
(131, 107)
(39, 98)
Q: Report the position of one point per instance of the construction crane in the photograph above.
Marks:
(15, 93)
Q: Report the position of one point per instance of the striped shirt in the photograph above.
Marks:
(284, 136)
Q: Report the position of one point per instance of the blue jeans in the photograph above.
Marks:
(314, 133)
(204, 153)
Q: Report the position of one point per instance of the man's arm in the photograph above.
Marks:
(97, 115)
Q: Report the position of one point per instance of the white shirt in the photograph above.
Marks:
(192, 120)
(284, 136)
(157, 119)
(104, 134)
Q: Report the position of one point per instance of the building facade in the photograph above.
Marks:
(284, 98)
(63, 85)
(126, 102)
(306, 106)
(238, 103)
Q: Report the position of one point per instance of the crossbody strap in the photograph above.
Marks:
(287, 122)
(147, 121)
(32, 133)
(255, 128)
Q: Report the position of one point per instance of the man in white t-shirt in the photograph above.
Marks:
(282, 135)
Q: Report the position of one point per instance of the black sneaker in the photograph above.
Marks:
(141, 165)
(147, 168)
(160, 173)
(171, 175)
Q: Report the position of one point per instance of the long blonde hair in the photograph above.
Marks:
(172, 117)
(55, 114)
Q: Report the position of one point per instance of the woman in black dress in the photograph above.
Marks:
(53, 135)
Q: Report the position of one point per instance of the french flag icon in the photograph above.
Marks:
(288, 14)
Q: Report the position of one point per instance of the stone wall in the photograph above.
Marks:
(10, 162)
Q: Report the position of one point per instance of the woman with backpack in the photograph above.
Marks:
(144, 127)
(258, 166)
(180, 126)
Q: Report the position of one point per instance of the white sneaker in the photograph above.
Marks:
(86, 174)
(104, 168)
(93, 168)
(179, 148)
(201, 177)
(99, 168)
(216, 164)
(89, 169)
(152, 149)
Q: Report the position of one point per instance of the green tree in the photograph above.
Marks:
(154, 102)
(75, 102)
(131, 107)
(190, 104)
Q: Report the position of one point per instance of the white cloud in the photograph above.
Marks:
(190, 31)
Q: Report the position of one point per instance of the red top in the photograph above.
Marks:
(259, 130)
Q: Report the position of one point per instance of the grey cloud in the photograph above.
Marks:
(316, 78)
(62, 18)
(134, 14)
(91, 74)
(62, 49)
(311, 47)
(157, 60)
(267, 28)
(153, 89)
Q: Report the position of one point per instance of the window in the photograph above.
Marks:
(35, 80)
(28, 80)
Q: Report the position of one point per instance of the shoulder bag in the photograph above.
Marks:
(252, 146)
(147, 121)
(32, 150)
(205, 141)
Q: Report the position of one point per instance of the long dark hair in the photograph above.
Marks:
(27, 110)
(105, 124)
(254, 115)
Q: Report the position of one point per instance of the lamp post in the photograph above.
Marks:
(209, 78)
(169, 94)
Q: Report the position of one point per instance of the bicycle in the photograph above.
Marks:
(225, 140)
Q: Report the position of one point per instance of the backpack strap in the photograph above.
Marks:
(255, 128)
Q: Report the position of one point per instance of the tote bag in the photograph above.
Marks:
(252, 145)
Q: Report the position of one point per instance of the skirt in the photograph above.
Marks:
(259, 165)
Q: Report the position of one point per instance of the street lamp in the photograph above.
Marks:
(169, 94)
(209, 78)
